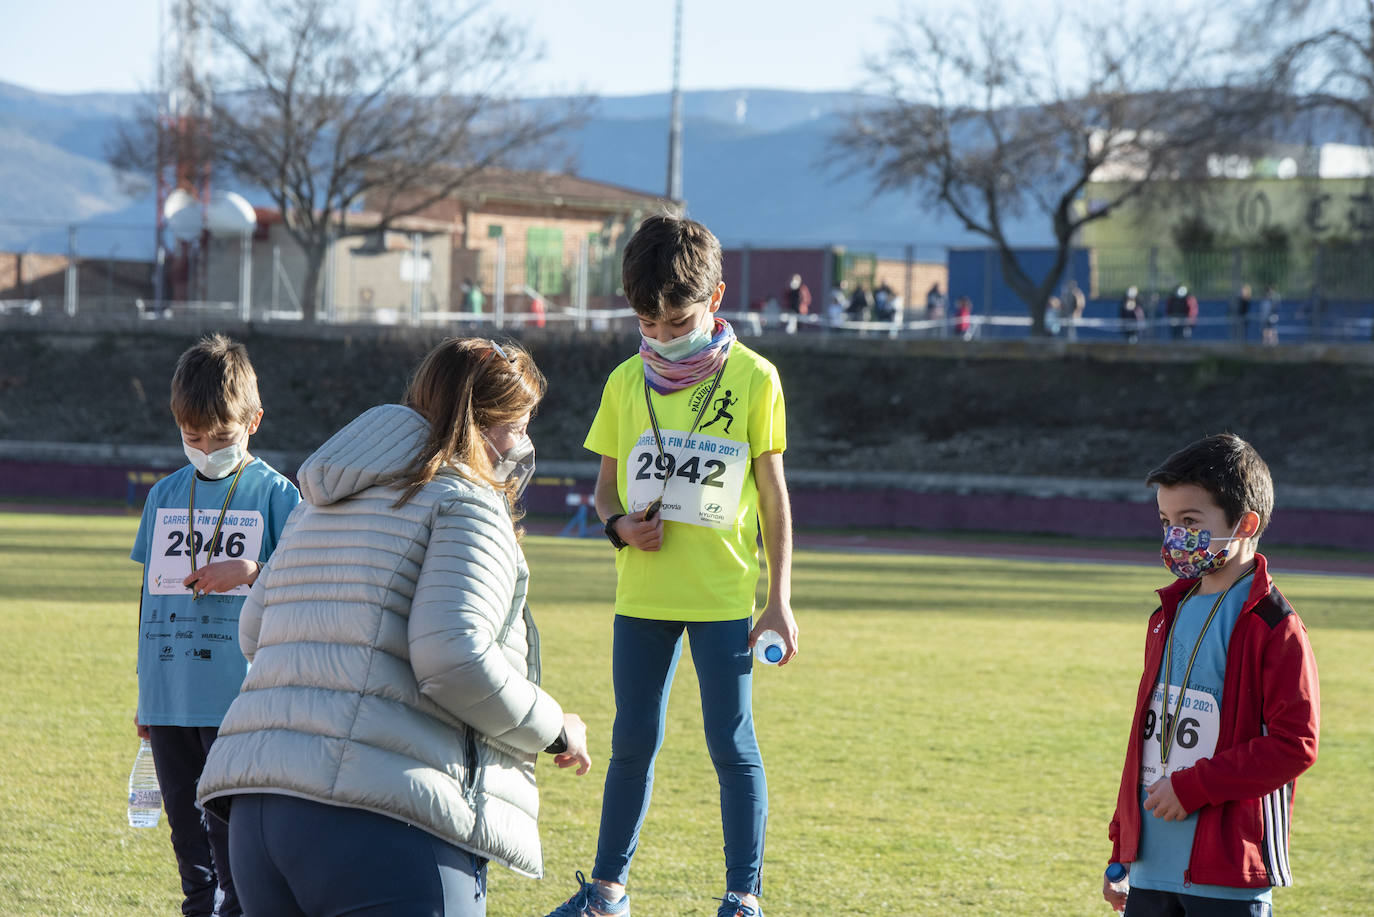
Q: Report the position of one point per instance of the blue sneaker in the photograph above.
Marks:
(589, 903)
(732, 906)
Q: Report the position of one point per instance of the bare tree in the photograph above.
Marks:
(992, 119)
(323, 111)
(1320, 54)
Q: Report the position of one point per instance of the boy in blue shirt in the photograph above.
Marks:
(206, 531)
(1228, 709)
(690, 432)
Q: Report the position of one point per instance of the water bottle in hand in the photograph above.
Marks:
(769, 648)
(1119, 879)
(145, 797)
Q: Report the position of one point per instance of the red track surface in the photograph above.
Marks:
(888, 543)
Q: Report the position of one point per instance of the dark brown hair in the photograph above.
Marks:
(214, 385)
(670, 262)
(1229, 469)
(463, 386)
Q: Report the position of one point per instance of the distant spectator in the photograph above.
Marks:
(1241, 317)
(935, 303)
(1269, 317)
(537, 311)
(1132, 315)
(1181, 309)
(883, 309)
(1054, 316)
(1073, 304)
(835, 308)
(858, 303)
(838, 297)
(473, 299)
(963, 318)
(772, 312)
(797, 302)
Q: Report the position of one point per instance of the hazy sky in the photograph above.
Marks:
(610, 47)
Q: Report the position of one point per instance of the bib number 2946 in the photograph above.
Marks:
(240, 535)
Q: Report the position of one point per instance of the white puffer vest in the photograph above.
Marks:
(395, 667)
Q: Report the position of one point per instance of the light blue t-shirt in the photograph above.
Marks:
(1166, 846)
(189, 664)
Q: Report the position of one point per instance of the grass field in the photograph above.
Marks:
(948, 742)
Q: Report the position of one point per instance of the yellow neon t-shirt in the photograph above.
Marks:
(708, 567)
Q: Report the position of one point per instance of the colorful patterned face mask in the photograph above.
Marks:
(1186, 551)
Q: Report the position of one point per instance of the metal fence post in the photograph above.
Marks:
(1152, 280)
(499, 307)
(581, 276)
(246, 276)
(744, 279)
(71, 294)
(414, 278)
(276, 277)
(330, 263)
(907, 292)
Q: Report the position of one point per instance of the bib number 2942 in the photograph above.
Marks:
(700, 480)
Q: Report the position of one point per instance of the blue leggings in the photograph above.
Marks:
(299, 858)
(643, 659)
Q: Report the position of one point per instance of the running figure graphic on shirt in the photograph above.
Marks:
(721, 405)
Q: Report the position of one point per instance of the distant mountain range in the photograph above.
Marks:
(754, 170)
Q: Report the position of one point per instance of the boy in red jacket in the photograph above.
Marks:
(1227, 713)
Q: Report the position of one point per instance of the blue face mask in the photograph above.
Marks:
(682, 347)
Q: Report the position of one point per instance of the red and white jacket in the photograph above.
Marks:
(1270, 713)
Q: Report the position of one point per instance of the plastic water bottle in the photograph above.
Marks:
(1118, 878)
(145, 797)
(769, 648)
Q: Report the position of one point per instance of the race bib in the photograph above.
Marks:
(704, 477)
(169, 562)
(1198, 723)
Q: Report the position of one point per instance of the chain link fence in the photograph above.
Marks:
(548, 275)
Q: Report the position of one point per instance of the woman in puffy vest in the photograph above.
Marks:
(382, 748)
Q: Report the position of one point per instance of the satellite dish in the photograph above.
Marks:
(228, 214)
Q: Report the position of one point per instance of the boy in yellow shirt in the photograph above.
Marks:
(683, 508)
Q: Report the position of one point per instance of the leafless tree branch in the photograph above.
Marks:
(322, 111)
(986, 121)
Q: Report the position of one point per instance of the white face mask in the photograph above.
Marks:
(517, 462)
(683, 346)
(217, 464)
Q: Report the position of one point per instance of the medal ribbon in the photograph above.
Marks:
(191, 521)
(1169, 728)
(658, 435)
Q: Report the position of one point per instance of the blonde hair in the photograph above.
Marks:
(463, 386)
(214, 385)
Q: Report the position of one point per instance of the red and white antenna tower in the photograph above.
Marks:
(183, 164)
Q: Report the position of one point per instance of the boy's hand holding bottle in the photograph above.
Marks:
(777, 617)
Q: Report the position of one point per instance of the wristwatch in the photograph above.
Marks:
(560, 744)
(610, 532)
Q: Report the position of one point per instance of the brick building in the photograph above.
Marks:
(542, 221)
